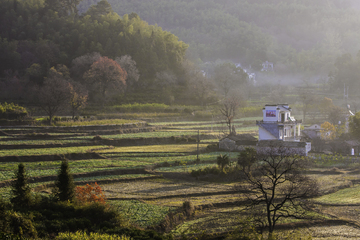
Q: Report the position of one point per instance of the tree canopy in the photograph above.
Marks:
(303, 35)
(47, 34)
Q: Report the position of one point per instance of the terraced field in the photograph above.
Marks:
(144, 170)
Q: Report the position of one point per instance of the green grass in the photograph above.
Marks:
(7, 175)
(141, 214)
(159, 134)
(47, 151)
(44, 142)
(97, 122)
(185, 168)
(155, 148)
(343, 196)
(113, 177)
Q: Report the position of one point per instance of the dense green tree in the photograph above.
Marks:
(100, 9)
(64, 189)
(354, 125)
(222, 161)
(20, 191)
(47, 34)
(247, 158)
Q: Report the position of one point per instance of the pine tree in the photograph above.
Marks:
(64, 185)
(21, 192)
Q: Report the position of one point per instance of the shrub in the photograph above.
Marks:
(21, 226)
(64, 189)
(21, 196)
(222, 161)
(212, 147)
(188, 208)
(146, 107)
(89, 236)
(12, 111)
(53, 217)
(247, 158)
(90, 193)
(205, 171)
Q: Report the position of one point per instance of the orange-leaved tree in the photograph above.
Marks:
(90, 193)
(105, 75)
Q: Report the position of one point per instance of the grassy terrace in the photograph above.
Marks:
(45, 142)
(146, 202)
(343, 196)
(48, 151)
(157, 134)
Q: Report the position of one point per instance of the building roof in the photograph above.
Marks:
(270, 127)
(313, 127)
(280, 106)
(353, 143)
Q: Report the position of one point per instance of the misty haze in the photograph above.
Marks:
(179, 119)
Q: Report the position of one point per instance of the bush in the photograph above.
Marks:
(53, 217)
(21, 226)
(222, 161)
(90, 193)
(146, 107)
(89, 236)
(12, 111)
(205, 171)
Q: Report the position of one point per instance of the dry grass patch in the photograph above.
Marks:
(331, 183)
(155, 188)
(336, 232)
(212, 221)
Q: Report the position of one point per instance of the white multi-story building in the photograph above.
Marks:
(278, 124)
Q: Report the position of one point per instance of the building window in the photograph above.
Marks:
(285, 133)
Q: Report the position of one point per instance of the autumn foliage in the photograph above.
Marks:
(90, 194)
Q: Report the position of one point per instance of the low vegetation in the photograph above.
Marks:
(158, 190)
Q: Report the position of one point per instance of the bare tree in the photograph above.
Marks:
(307, 100)
(78, 98)
(228, 110)
(53, 96)
(228, 77)
(276, 186)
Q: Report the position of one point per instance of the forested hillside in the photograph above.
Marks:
(38, 36)
(298, 35)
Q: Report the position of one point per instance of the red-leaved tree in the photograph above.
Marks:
(90, 193)
(104, 75)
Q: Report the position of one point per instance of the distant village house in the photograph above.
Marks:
(277, 129)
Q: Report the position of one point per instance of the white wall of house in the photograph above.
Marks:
(265, 135)
(269, 110)
(274, 114)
